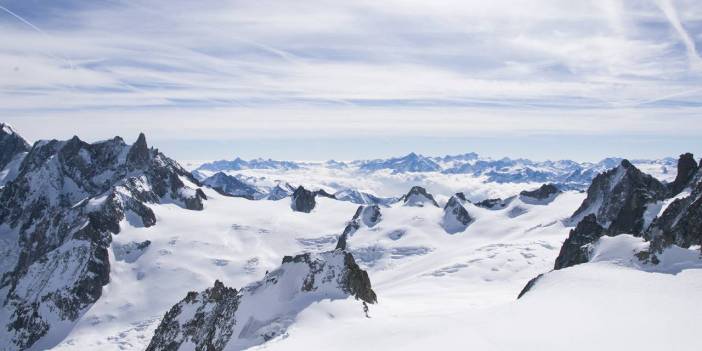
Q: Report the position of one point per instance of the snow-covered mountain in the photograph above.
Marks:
(238, 164)
(410, 163)
(58, 216)
(13, 149)
(230, 185)
(113, 246)
(375, 177)
(664, 221)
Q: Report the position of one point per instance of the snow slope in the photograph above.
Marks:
(434, 289)
(237, 240)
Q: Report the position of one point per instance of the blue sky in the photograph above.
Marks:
(332, 79)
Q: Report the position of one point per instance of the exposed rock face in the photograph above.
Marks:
(456, 218)
(494, 204)
(324, 193)
(574, 250)
(303, 200)
(418, 197)
(619, 198)
(681, 222)
(541, 196)
(687, 167)
(233, 186)
(11, 145)
(365, 215)
(222, 317)
(66, 202)
(529, 286)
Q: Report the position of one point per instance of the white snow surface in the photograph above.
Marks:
(434, 290)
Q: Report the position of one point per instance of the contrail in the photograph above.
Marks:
(672, 15)
(30, 24)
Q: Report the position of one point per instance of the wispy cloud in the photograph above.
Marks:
(162, 58)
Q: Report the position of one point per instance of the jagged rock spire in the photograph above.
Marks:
(303, 200)
(687, 167)
(139, 155)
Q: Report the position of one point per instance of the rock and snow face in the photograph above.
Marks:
(13, 148)
(418, 197)
(622, 196)
(680, 223)
(230, 185)
(58, 217)
(223, 318)
(456, 218)
(619, 198)
(543, 195)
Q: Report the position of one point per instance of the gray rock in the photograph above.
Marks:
(574, 250)
(303, 200)
(687, 167)
(619, 198)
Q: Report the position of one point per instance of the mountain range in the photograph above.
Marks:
(115, 246)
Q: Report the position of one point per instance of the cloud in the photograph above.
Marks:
(214, 61)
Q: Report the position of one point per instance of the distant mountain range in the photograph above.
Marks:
(567, 174)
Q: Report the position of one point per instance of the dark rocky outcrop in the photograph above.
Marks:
(222, 317)
(324, 193)
(303, 200)
(541, 196)
(687, 167)
(530, 285)
(681, 222)
(67, 200)
(574, 250)
(619, 198)
(418, 197)
(494, 204)
(456, 218)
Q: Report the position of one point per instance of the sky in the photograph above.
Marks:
(358, 79)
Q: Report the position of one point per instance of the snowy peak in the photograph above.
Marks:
(418, 197)
(12, 145)
(410, 163)
(456, 218)
(223, 318)
(233, 186)
(239, 164)
(67, 200)
(619, 198)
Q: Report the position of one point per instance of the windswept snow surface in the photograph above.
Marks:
(435, 290)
